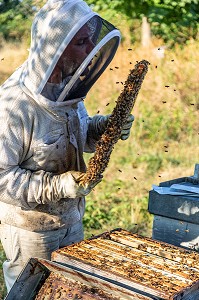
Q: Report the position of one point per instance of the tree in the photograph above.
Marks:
(5, 5)
(173, 21)
(16, 17)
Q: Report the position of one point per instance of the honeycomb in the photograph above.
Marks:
(124, 104)
(161, 269)
(57, 287)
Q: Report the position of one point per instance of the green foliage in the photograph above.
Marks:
(158, 125)
(2, 286)
(173, 21)
(16, 18)
(96, 217)
(5, 5)
(113, 212)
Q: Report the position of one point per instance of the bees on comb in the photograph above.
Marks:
(124, 104)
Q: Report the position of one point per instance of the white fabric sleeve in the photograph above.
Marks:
(26, 188)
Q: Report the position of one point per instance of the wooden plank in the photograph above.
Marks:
(37, 271)
(159, 247)
(109, 277)
(92, 281)
(147, 260)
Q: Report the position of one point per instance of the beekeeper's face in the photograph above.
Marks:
(76, 52)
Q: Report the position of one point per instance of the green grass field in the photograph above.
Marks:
(164, 140)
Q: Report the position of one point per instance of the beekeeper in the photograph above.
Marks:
(45, 129)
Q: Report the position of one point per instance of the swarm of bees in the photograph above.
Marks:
(124, 104)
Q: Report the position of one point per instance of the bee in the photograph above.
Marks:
(124, 104)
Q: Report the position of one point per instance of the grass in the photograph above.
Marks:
(164, 140)
(2, 286)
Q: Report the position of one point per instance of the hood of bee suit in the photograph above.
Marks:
(53, 28)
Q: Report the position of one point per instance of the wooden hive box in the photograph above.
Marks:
(176, 217)
(150, 268)
(45, 280)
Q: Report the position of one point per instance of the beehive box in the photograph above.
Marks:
(153, 269)
(45, 280)
(176, 217)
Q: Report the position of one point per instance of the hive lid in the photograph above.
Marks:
(177, 199)
(154, 269)
(179, 207)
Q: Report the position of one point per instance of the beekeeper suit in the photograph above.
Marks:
(45, 129)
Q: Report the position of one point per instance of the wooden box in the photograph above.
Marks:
(176, 217)
(150, 268)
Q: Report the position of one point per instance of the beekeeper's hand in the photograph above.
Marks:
(125, 133)
(70, 187)
(98, 124)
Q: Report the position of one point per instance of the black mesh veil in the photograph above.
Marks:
(99, 63)
(106, 39)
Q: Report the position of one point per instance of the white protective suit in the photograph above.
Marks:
(41, 138)
(43, 133)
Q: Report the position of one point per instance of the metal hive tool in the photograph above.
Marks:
(154, 269)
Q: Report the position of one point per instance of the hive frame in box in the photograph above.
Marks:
(37, 271)
(109, 264)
